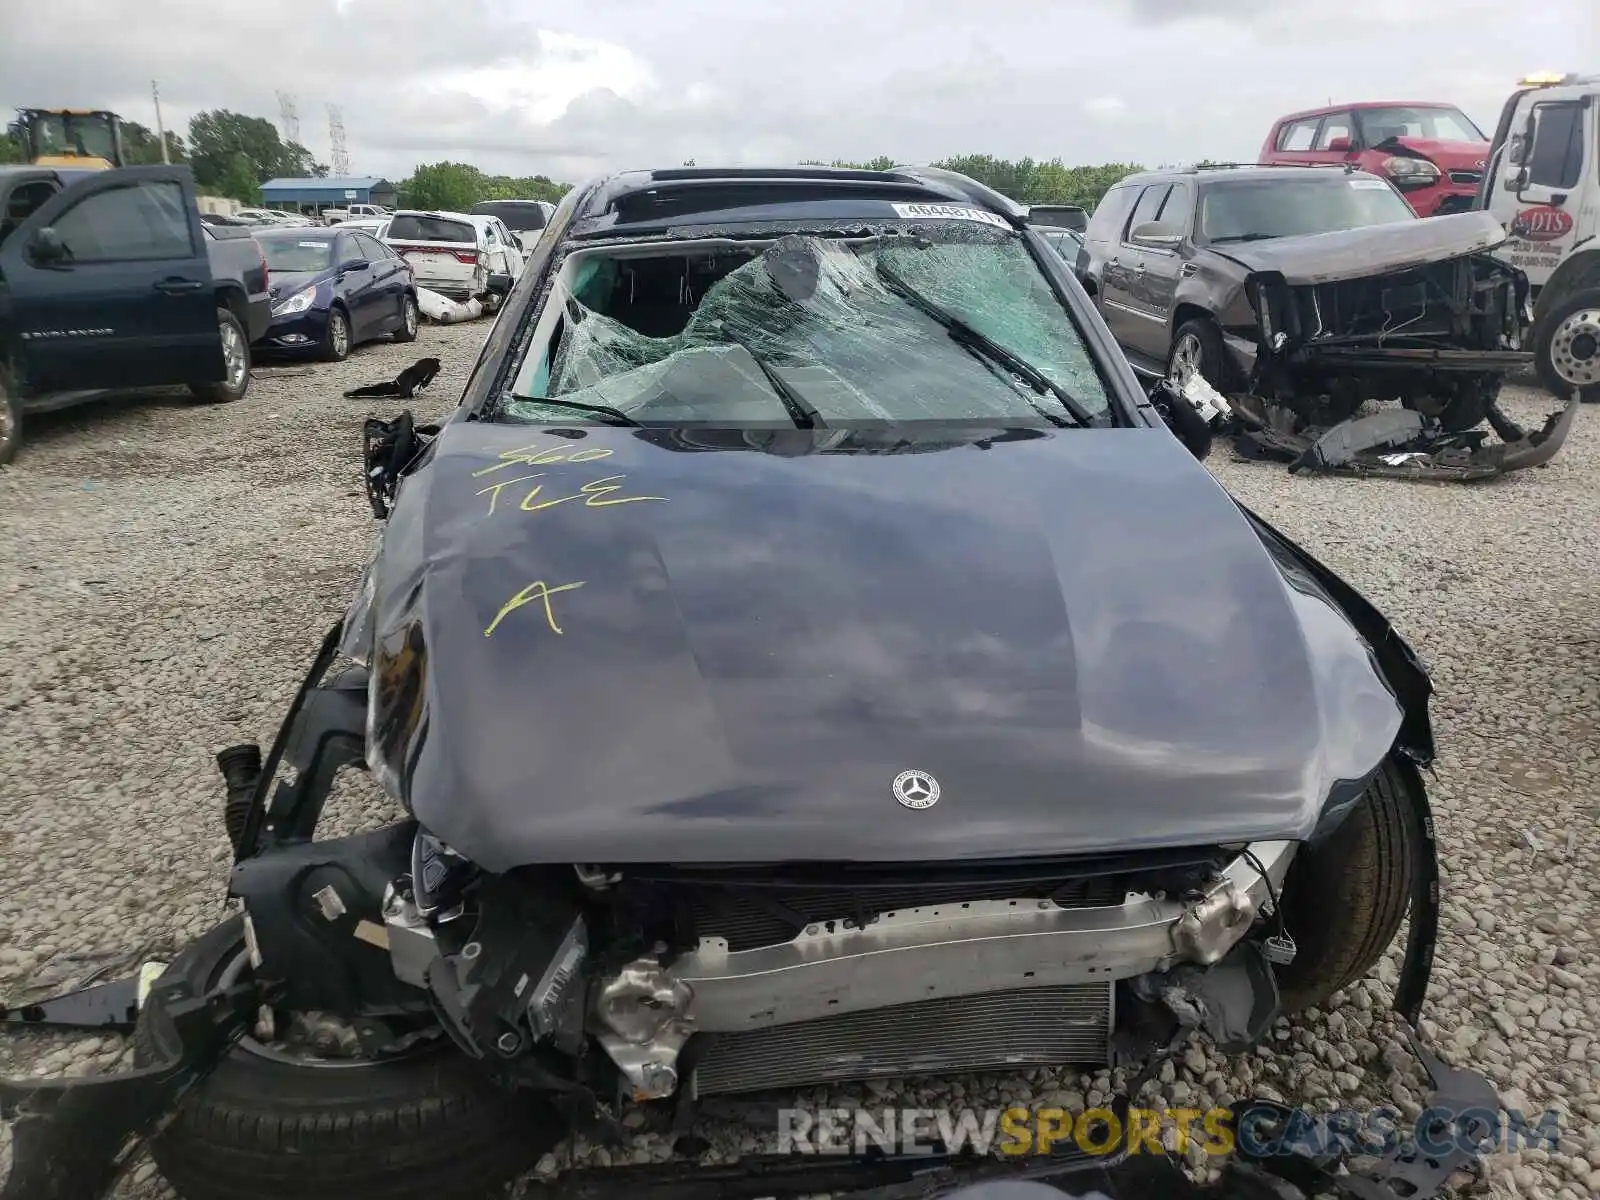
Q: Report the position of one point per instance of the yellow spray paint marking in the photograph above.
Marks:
(538, 590)
(536, 456)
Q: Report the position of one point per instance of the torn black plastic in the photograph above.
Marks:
(72, 1136)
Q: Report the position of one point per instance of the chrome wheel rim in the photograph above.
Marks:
(7, 426)
(340, 335)
(234, 359)
(1575, 348)
(1186, 358)
(411, 315)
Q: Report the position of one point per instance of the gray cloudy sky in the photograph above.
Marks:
(571, 89)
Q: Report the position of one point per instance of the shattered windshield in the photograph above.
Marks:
(812, 331)
(1245, 210)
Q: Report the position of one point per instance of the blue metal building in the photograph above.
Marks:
(318, 194)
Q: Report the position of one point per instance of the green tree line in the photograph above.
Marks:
(232, 154)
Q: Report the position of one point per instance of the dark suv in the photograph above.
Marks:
(1361, 296)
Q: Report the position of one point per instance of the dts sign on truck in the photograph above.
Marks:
(1543, 183)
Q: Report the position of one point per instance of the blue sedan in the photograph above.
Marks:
(333, 289)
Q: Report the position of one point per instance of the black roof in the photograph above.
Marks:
(707, 195)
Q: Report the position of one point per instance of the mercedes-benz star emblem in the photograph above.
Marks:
(916, 789)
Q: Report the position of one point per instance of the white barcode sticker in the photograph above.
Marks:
(950, 212)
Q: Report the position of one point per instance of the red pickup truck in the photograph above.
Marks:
(1431, 152)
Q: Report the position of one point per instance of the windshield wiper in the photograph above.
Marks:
(986, 346)
(803, 412)
(604, 412)
(1244, 237)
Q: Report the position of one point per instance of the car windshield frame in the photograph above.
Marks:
(423, 218)
(296, 241)
(1365, 190)
(1090, 383)
(1370, 119)
(511, 212)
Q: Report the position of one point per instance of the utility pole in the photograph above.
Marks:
(161, 132)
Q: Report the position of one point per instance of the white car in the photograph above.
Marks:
(526, 219)
(454, 253)
(368, 225)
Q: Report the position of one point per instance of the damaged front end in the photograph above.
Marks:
(1436, 337)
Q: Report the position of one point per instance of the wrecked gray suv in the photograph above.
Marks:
(1300, 295)
(804, 656)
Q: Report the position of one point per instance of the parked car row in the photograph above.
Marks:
(114, 280)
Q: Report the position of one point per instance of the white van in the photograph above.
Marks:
(1543, 183)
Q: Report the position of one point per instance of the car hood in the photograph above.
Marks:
(287, 283)
(1369, 250)
(1077, 634)
(1454, 156)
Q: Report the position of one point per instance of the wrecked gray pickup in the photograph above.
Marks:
(1415, 312)
(1306, 295)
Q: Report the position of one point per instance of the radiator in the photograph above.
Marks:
(997, 1031)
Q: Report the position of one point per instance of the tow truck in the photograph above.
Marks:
(71, 139)
(1543, 184)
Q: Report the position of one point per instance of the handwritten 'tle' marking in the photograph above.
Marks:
(538, 590)
(592, 493)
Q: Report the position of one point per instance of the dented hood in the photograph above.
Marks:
(1369, 250)
(732, 655)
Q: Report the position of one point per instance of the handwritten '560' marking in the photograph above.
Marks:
(534, 456)
(592, 493)
(539, 591)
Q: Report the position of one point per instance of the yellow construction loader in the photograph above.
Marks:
(71, 139)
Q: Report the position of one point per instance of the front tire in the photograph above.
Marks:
(235, 362)
(1197, 349)
(10, 420)
(1345, 897)
(410, 319)
(1566, 347)
(428, 1126)
(336, 337)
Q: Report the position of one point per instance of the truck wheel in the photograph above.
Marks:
(235, 360)
(428, 1125)
(409, 320)
(1197, 349)
(336, 338)
(10, 420)
(1345, 897)
(1566, 346)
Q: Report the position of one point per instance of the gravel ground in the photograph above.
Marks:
(166, 572)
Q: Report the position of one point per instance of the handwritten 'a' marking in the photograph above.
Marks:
(538, 590)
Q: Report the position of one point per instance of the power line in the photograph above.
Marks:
(290, 117)
(340, 156)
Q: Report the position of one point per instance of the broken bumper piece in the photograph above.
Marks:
(72, 1136)
(1397, 444)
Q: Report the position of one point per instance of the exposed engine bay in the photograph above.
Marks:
(738, 980)
(1436, 338)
